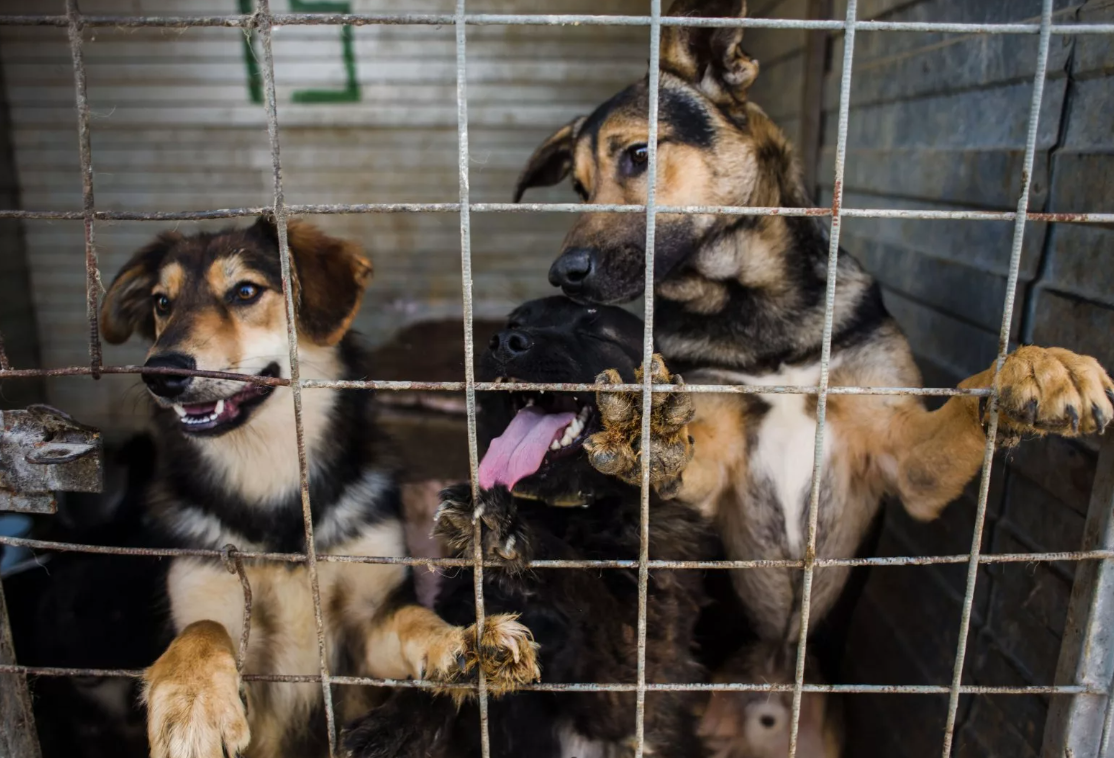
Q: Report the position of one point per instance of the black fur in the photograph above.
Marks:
(117, 602)
(584, 620)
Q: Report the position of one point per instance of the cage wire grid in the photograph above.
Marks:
(262, 22)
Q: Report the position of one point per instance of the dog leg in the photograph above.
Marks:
(196, 704)
(1043, 390)
(616, 450)
(414, 642)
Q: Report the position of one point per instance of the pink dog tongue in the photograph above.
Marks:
(522, 447)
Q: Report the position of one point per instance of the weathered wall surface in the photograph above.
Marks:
(939, 121)
(175, 127)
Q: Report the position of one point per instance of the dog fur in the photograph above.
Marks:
(585, 620)
(741, 300)
(228, 474)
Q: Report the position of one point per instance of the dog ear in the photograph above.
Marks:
(551, 162)
(712, 59)
(331, 275)
(127, 305)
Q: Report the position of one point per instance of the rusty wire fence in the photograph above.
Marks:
(1081, 722)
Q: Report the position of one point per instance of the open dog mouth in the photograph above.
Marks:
(545, 427)
(227, 413)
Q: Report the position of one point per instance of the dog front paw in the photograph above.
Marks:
(504, 538)
(616, 449)
(505, 652)
(196, 706)
(1052, 390)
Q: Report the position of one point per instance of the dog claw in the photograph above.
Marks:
(1031, 411)
(617, 449)
(504, 540)
(1053, 390)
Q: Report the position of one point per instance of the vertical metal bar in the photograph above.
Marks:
(1003, 349)
(1076, 722)
(264, 26)
(18, 738)
(647, 378)
(1106, 748)
(85, 154)
(469, 350)
(825, 361)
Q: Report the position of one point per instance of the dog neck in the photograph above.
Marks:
(259, 460)
(751, 296)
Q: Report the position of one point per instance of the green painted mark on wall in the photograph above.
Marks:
(350, 93)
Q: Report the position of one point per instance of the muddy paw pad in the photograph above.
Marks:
(453, 521)
(506, 652)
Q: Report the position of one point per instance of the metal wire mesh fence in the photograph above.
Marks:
(262, 22)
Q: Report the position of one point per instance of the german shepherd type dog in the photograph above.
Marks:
(227, 473)
(542, 499)
(740, 300)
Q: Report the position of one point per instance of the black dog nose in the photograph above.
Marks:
(169, 385)
(570, 270)
(509, 344)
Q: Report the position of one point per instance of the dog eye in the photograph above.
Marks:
(246, 292)
(162, 304)
(578, 188)
(635, 159)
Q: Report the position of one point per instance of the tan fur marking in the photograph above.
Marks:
(192, 694)
(172, 277)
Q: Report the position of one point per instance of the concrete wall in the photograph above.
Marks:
(175, 126)
(939, 122)
(17, 315)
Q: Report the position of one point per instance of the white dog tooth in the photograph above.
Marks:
(555, 445)
(219, 409)
(180, 411)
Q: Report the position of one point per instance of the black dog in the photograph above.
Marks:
(542, 499)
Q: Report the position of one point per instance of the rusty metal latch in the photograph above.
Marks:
(43, 451)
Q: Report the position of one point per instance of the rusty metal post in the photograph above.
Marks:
(1075, 722)
(17, 723)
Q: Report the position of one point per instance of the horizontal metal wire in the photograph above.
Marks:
(857, 689)
(722, 210)
(521, 19)
(901, 560)
(395, 385)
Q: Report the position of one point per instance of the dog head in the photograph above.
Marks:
(535, 441)
(714, 148)
(758, 724)
(214, 301)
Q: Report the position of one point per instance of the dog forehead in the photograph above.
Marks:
(224, 256)
(684, 115)
(562, 312)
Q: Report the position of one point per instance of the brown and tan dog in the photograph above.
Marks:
(741, 300)
(228, 473)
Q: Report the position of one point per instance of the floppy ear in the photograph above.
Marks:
(551, 162)
(127, 305)
(330, 278)
(712, 59)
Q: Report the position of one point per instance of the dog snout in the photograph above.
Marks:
(572, 270)
(510, 344)
(169, 385)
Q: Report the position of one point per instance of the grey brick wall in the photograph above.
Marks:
(939, 122)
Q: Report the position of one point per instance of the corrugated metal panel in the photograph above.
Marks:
(174, 128)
